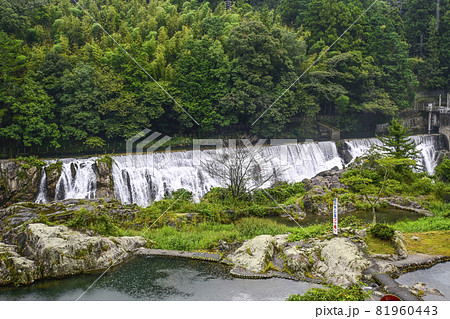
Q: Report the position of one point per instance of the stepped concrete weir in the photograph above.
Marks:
(144, 178)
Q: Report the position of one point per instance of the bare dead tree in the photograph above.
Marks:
(241, 168)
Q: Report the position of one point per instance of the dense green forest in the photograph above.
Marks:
(64, 80)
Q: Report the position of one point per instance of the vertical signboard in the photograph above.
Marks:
(335, 216)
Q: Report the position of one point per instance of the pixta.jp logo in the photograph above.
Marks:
(151, 145)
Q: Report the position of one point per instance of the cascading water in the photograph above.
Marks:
(426, 144)
(143, 178)
(78, 179)
(42, 196)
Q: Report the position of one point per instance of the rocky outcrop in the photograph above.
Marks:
(105, 183)
(335, 261)
(15, 269)
(57, 251)
(341, 262)
(18, 182)
(53, 172)
(328, 179)
(59, 212)
(254, 254)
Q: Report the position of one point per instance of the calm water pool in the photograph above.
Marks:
(384, 215)
(157, 278)
(437, 276)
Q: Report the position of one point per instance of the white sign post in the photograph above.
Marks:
(335, 216)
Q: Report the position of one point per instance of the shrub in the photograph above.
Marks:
(279, 192)
(182, 194)
(382, 231)
(333, 293)
(353, 222)
(442, 171)
(422, 186)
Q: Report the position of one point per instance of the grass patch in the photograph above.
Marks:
(206, 236)
(379, 246)
(424, 224)
(310, 231)
(430, 243)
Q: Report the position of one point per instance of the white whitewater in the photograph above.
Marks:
(427, 144)
(143, 178)
(78, 179)
(42, 196)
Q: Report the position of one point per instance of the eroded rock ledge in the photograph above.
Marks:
(335, 261)
(40, 251)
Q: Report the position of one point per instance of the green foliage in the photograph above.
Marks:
(182, 195)
(442, 171)
(279, 192)
(382, 231)
(29, 162)
(397, 143)
(423, 224)
(332, 293)
(101, 223)
(224, 67)
(252, 227)
(206, 236)
(94, 142)
(353, 222)
(310, 232)
(108, 160)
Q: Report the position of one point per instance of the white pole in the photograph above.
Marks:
(335, 216)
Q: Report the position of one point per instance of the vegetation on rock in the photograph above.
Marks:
(332, 293)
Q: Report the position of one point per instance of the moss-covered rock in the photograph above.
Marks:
(19, 182)
(56, 251)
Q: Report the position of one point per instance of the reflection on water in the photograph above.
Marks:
(384, 215)
(157, 278)
(437, 276)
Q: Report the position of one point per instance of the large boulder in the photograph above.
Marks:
(59, 251)
(336, 261)
(341, 262)
(15, 269)
(315, 201)
(254, 254)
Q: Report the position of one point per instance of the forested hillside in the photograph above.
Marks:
(63, 79)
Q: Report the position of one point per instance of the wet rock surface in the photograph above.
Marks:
(57, 251)
(17, 183)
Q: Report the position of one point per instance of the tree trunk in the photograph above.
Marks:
(374, 221)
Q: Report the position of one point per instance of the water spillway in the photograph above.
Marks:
(144, 178)
(77, 180)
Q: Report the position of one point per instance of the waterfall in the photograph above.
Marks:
(426, 144)
(144, 178)
(77, 180)
(42, 197)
